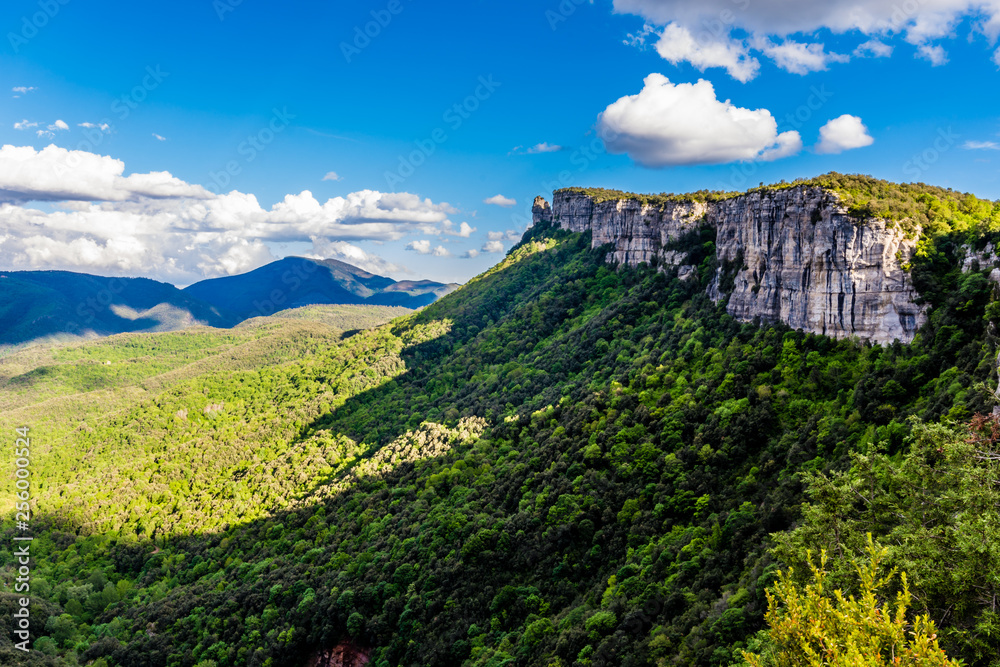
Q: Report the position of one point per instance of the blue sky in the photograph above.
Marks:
(204, 115)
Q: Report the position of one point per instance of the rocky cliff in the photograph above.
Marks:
(790, 254)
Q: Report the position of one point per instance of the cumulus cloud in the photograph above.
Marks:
(677, 44)
(500, 200)
(423, 247)
(59, 125)
(58, 174)
(843, 133)
(332, 176)
(670, 124)
(158, 137)
(25, 125)
(103, 127)
(352, 254)
(873, 48)
(934, 53)
(464, 230)
(919, 20)
(545, 147)
(22, 90)
(716, 28)
(157, 225)
(507, 235)
(471, 254)
(493, 247)
(800, 58)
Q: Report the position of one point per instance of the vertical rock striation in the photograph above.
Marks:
(791, 254)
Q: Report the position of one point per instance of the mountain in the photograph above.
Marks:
(570, 460)
(294, 282)
(38, 304)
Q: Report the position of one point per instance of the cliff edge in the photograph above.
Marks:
(787, 254)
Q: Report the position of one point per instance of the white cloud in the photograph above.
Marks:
(677, 44)
(332, 176)
(799, 58)
(49, 132)
(507, 235)
(638, 39)
(843, 133)
(352, 254)
(934, 53)
(158, 137)
(670, 124)
(713, 23)
(157, 225)
(923, 19)
(981, 145)
(544, 147)
(422, 247)
(22, 90)
(464, 229)
(58, 174)
(493, 247)
(103, 127)
(471, 254)
(873, 48)
(500, 200)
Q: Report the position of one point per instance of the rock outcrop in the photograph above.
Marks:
(786, 254)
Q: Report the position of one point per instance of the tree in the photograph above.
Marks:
(810, 627)
(62, 629)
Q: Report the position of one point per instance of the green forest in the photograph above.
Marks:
(562, 463)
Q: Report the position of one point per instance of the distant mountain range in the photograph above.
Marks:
(41, 304)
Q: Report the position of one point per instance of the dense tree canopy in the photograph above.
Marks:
(561, 463)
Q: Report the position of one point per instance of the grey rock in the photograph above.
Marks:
(797, 255)
(540, 211)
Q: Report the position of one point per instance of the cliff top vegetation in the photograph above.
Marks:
(932, 209)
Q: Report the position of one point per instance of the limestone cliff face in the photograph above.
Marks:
(790, 255)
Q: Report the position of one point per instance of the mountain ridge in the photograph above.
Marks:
(294, 282)
(41, 305)
(824, 255)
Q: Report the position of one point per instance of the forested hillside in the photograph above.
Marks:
(560, 463)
